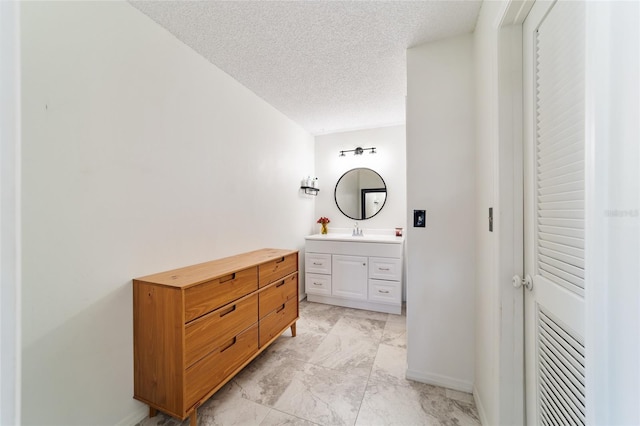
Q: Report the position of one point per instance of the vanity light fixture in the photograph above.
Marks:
(358, 151)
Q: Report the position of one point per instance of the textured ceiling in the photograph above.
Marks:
(328, 65)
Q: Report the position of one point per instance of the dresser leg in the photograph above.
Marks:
(293, 330)
(193, 418)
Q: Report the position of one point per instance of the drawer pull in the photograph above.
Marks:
(317, 263)
(280, 260)
(233, 342)
(228, 278)
(383, 269)
(281, 283)
(228, 311)
(315, 283)
(383, 291)
(280, 308)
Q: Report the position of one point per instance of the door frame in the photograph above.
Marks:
(10, 225)
(510, 220)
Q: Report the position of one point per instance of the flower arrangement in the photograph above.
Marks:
(323, 223)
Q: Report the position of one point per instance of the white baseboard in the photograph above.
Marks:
(481, 413)
(135, 417)
(438, 380)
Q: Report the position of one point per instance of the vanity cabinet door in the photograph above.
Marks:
(349, 277)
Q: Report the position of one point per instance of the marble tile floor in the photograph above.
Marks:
(344, 367)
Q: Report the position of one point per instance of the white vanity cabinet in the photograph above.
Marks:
(356, 272)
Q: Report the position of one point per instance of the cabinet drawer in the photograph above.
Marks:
(278, 293)
(385, 268)
(276, 269)
(205, 297)
(318, 284)
(274, 324)
(212, 330)
(209, 372)
(384, 291)
(317, 263)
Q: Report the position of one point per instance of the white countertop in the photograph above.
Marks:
(366, 238)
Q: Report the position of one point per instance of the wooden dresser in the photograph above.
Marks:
(194, 328)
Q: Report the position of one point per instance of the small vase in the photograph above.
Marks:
(323, 229)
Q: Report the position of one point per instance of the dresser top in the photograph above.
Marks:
(202, 272)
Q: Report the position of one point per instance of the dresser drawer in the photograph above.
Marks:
(278, 293)
(205, 297)
(317, 263)
(210, 371)
(277, 269)
(318, 284)
(385, 268)
(274, 324)
(212, 330)
(384, 291)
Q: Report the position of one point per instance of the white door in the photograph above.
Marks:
(349, 277)
(554, 134)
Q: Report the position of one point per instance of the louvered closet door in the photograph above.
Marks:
(554, 56)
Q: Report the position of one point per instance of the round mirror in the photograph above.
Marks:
(360, 193)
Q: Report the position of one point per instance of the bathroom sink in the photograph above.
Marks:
(372, 238)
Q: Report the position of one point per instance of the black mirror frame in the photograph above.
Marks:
(363, 192)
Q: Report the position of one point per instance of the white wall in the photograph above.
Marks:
(612, 292)
(389, 162)
(138, 156)
(440, 179)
